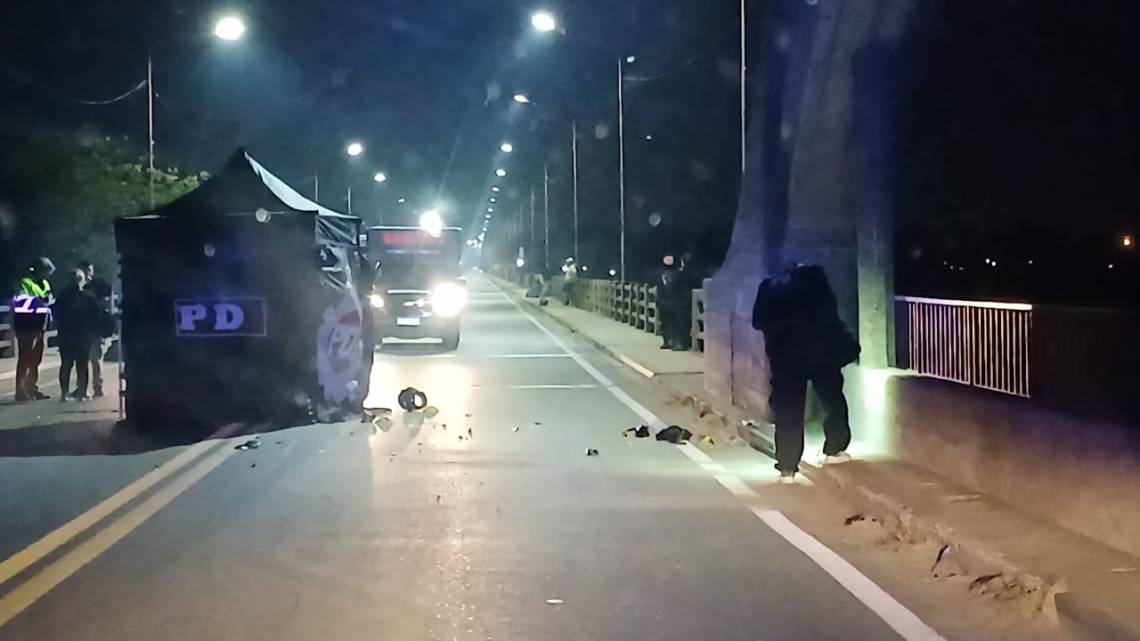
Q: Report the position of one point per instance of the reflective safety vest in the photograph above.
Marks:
(34, 297)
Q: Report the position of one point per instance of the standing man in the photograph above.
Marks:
(78, 318)
(670, 299)
(806, 341)
(570, 282)
(31, 312)
(101, 290)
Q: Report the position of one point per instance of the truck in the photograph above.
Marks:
(419, 291)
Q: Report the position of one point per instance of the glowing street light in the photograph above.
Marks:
(522, 99)
(495, 189)
(631, 59)
(501, 173)
(543, 22)
(380, 177)
(506, 147)
(354, 149)
(229, 28)
(1127, 241)
(401, 200)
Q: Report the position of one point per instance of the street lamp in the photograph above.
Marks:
(522, 99)
(543, 22)
(380, 177)
(229, 28)
(501, 173)
(495, 189)
(354, 149)
(506, 147)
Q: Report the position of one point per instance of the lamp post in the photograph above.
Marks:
(228, 28)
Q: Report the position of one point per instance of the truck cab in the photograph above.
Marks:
(418, 291)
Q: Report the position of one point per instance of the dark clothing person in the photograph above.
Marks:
(806, 341)
(674, 308)
(102, 292)
(79, 321)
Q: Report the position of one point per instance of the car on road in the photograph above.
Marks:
(419, 291)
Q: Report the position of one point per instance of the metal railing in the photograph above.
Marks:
(982, 344)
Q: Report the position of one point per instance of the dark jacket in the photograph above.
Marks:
(672, 290)
(797, 311)
(79, 319)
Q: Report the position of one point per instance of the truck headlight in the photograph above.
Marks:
(376, 301)
(448, 299)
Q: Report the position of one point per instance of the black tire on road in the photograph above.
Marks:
(451, 340)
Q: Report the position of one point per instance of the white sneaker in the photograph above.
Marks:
(836, 459)
(787, 478)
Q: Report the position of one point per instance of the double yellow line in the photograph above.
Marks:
(20, 597)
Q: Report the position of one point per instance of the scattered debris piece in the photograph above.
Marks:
(591, 451)
(707, 440)
(461, 437)
(411, 399)
(438, 498)
(639, 432)
(555, 601)
(253, 464)
(382, 423)
(855, 518)
(538, 422)
(278, 442)
(252, 444)
(377, 411)
(431, 411)
(674, 434)
(467, 415)
(981, 582)
(514, 429)
(470, 434)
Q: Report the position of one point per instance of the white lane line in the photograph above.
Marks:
(893, 613)
(536, 387)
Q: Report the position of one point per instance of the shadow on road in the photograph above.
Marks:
(412, 349)
(108, 437)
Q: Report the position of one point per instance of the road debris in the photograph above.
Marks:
(639, 432)
(411, 399)
(674, 434)
(707, 440)
(438, 498)
(591, 451)
(855, 518)
(252, 444)
(470, 434)
(555, 601)
(431, 411)
(514, 429)
(382, 423)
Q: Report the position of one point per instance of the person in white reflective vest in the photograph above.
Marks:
(31, 313)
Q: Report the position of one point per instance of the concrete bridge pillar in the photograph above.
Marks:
(827, 80)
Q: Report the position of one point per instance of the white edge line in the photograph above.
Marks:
(893, 613)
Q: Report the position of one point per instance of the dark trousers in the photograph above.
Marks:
(789, 393)
(676, 327)
(77, 356)
(30, 353)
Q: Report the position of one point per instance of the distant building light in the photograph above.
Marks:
(1111, 266)
(1127, 241)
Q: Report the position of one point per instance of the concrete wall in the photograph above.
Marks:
(1073, 472)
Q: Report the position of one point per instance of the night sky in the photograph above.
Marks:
(425, 85)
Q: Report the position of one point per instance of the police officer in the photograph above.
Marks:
(31, 312)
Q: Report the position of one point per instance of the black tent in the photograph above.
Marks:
(240, 301)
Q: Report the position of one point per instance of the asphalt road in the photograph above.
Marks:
(487, 522)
